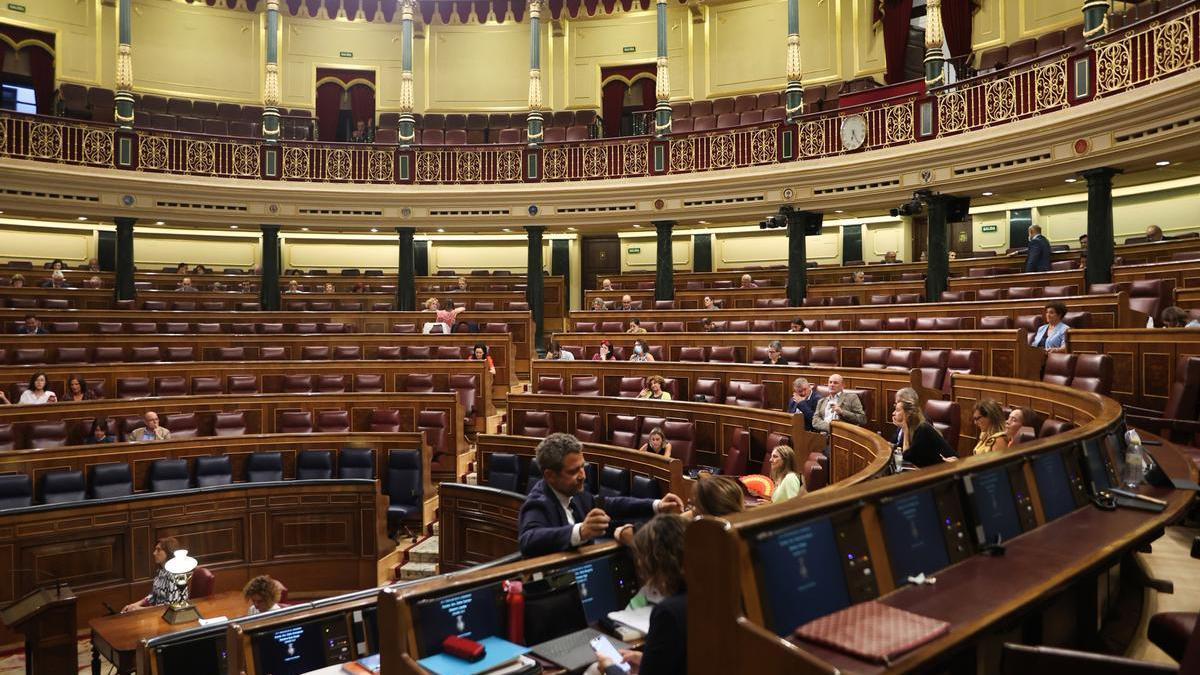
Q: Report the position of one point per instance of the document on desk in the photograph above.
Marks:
(500, 652)
(873, 631)
(637, 619)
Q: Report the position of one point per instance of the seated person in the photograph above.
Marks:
(921, 444)
(1052, 335)
(1017, 419)
(1154, 234)
(77, 389)
(186, 286)
(557, 353)
(709, 304)
(56, 280)
(654, 389)
(164, 590)
(657, 443)
(446, 317)
(606, 353)
(33, 326)
(635, 327)
(560, 515)
(658, 551)
(747, 282)
(99, 432)
(151, 431)
(217, 286)
(804, 400)
(181, 268)
(785, 475)
(989, 420)
(798, 326)
(361, 287)
(889, 257)
(641, 351)
(775, 354)
(263, 594)
(626, 303)
(200, 269)
(707, 325)
(293, 287)
(17, 281)
(860, 277)
(597, 304)
(606, 285)
(716, 496)
(908, 395)
(329, 288)
(92, 265)
(480, 353)
(1177, 317)
(37, 393)
(838, 405)
(461, 286)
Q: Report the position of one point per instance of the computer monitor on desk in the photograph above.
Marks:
(1059, 487)
(474, 614)
(999, 507)
(304, 645)
(200, 652)
(914, 532)
(606, 584)
(1096, 463)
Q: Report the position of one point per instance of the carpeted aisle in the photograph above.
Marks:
(13, 662)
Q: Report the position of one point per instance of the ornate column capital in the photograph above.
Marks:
(533, 8)
(934, 33)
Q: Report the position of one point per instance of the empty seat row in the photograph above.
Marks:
(1086, 372)
(185, 353)
(507, 471)
(188, 328)
(115, 479)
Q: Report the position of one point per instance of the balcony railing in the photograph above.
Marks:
(1150, 50)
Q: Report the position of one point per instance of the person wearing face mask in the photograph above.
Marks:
(838, 405)
(641, 352)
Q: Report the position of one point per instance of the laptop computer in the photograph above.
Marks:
(556, 624)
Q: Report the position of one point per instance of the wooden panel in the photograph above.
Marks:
(1144, 359)
(478, 524)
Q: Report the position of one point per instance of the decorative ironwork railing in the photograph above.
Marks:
(1142, 53)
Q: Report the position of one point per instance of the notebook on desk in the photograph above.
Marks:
(873, 631)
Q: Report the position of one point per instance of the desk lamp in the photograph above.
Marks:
(181, 568)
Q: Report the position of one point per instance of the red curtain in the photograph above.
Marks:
(956, 20)
(612, 103)
(329, 97)
(41, 62)
(895, 16)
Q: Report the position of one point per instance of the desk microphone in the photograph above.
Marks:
(109, 607)
(994, 549)
(37, 574)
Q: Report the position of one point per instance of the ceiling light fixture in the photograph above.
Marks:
(159, 222)
(636, 225)
(508, 229)
(1072, 180)
(81, 218)
(1162, 163)
(703, 222)
(839, 211)
(572, 229)
(304, 229)
(374, 229)
(988, 194)
(233, 227)
(440, 229)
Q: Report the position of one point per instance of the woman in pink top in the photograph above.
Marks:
(444, 316)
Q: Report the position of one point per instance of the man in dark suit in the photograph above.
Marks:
(804, 400)
(559, 514)
(32, 326)
(1039, 251)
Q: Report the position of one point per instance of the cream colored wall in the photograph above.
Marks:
(75, 243)
(1005, 21)
(308, 44)
(482, 254)
(42, 244)
(154, 250)
(590, 44)
(646, 259)
(990, 241)
(78, 36)
(473, 68)
(769, 247)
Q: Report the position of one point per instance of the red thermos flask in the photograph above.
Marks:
(516, 611)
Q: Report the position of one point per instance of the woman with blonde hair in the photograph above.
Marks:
(656, 442)
(921, 444)
(654, 389)
(717, 496)
(989, 420)
(784, 474)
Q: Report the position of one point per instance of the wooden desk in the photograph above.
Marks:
(116, 637)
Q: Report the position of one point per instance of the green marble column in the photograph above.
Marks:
(535, 120)
(664, 264)
(937, 275)
(123, 98)
(268, 297)
(794, 94)
(270, 118)
(407, 121)
(406, 284)
(662, 84)
(1100, 226)
(535, 282)
(935, 62)
(799, 224)
(1095, 19)
(124, 282)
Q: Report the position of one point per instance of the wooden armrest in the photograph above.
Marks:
(1026, 660)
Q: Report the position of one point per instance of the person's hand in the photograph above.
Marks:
(949, 459)
(133, 606)
(671, 503)
(594, 525)
(4, 398)
(53, 398)
(797, 397)
(603, 661)
(837, 408)
(633, 658)
(624, 535)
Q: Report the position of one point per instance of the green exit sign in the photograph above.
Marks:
(16, 8)
(635, 249)
(346, 55)
(990, 228)
(627, 50)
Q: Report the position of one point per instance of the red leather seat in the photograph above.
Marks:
(29, 355)
(991, 294)
(585, 385)
(203, 583)
(946, 417)
(333, 421)
(870, 324)
(815, 302)
(176, 327)
(882, 299)
(611, 327)
(144, 354)
(332, 327)
(419, 383)
(950, 323)
(1094, 373)
(587, 427)
(843, 300)
(182, 425)
(823, 356)
(957, 296)
(681, 434)
(1054, 426)
(737, 453)
(51, 434)
(549, 384)
(229, 423)
(1024, 292)
(1059, 369)
(143, 327)
(1060, 291)
(967, 361)
(272, 354)
(347, 352)
(875, 357)
(492, 327)
(304, 327)
(664, 304)
(909, 298)
(203, 385)
(104, 354)
(389, 352)
(1078, 319)
(738, 326)
(1030, 323)
(484, 306)
(330, 383)
(404, 328)
(691, 354)
(64, 326)
(995, 322)
(435, 425)
(898, 323)
(109, 327)
(384, 419)
(448, 353)
(534, 423)
(671, 327)
(243, 384)
(710, 390)
(314, 353)
(932, 364)
(133, 387)
(467, 388)
(746, 394)
(631, 386)
(722, 354)
(902, 359)
(208, 328)
(170, 385)
(294, 422)
(925, 323)
(370, 382)
(815, 472)
(177, 353)
(624, 431)
(297, 383)
(585, 326)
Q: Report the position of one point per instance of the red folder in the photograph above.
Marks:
(873, 631)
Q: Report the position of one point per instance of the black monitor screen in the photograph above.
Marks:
(293, 649)
(366, 630)
(203, 656)
(800, 575)
(1054, 485)
(597, 587)
(995, 510)
(913, 530)
(1097, 465)
(474, 615)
